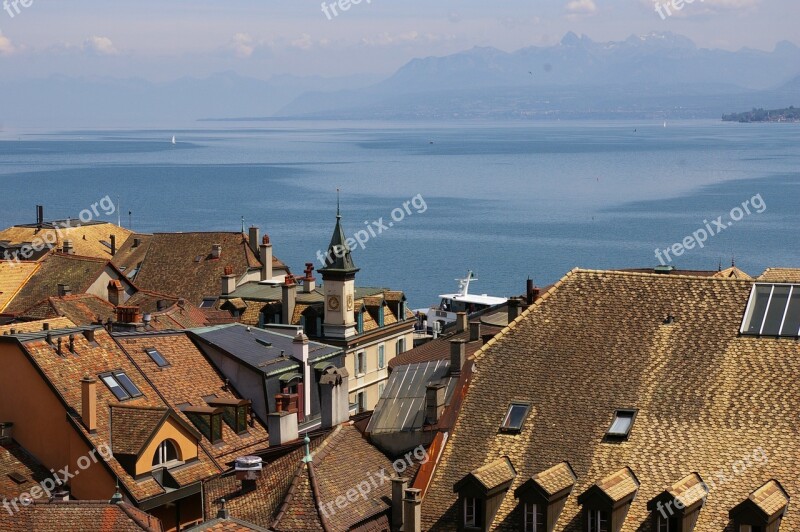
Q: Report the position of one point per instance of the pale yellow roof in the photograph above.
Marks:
(86, 240)
(13, 275)
(781, 275)
(38, 325)
(732, 273)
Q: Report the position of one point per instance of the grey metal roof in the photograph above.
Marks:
(402, 406)
(269, 292)
(249, 344)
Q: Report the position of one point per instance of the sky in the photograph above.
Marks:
(168, 39)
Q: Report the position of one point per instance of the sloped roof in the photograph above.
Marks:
(495, 474)
(597, 341)
(13, 276)
(439, 349)
(181, 263)
(132, 427)
(732, 272)
(189, 378)
(37, 325)
(619, 484)
(338, 259)
(689, 490)
(15, 460)
(555, 479)
(87, 516)
(770, 498)
(780, 275)
(81, 309)
(86, 239)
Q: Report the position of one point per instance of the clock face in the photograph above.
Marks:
(333, 303)
(349, 301)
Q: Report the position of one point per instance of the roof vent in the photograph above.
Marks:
(664, 269)
(248, 471)
(669, 320)
(216, 251)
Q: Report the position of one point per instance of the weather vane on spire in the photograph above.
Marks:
(337, 204)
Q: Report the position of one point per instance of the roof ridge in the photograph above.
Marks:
(657, 275)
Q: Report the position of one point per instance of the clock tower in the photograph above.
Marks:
(339, 281)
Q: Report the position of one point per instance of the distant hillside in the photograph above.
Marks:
(659, 73)
(790, 114)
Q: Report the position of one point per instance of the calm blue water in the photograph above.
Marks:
(508, 201)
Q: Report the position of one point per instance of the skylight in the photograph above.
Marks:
(515, 417)
(120, 385)
(157, 357)
(773, 310)
(622, 424)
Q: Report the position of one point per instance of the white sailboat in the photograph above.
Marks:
(173, 140)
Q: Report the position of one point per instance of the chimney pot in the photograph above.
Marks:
(40, 215)
(399, 487)
(266, 259)
(461, 322)
(474, 331)
(72, 343)
(113, 245)
(248, 471)
(412, 515)
(513, 309)
(64, 290)
(458, 356)
(216, 251)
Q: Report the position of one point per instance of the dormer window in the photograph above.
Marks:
(606, 503)
(622, 424)
(120, 385)
(763, 510)
(234, 412)
(165, 454)
(207, 420)
(677, 508)
(481, 492)
(515, 417)
(543, 497)
(773, 310)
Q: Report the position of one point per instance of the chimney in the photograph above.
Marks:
(300, 353)
(128, 315)
(461, 322)
(434, 402)
(64, 290)
(399, 486)
(72, 343)
(309, 282)
(6, 430)
(113, 239)
(45, 326)
(216, 251)
(67, 247)
(89, 335)
(248, 471)
(282, 428)
(474, 331)
(137, 242)
(458, 356)
(288, 298)
(115, 292)
(228, 282)
(266, 259)
(513, 309)
(252, 239)
(412, 514)
(40, 215)
(334, 391)
(89, 403)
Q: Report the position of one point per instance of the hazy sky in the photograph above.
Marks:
(167, 39)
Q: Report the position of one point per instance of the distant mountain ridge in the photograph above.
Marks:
(533, 79)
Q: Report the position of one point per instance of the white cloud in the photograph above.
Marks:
(581, 6)
(6, 46)
(100, 46)
(732, 4)
(242, 45)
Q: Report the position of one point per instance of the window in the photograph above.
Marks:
(751, 528)
(515, 417)
(381, 357)
(534, 518)
(400, 346)
(773, 310)
(208, 302)
(402, 312)
(361, 363)
(622, 423)
(165, 453)
(667, 524)
(235, 412)
(360, 322)
(361, 401)
(207, 420)
(120, 385)
(156, 357)
(381, 317)
(598, 521)
(470, 512)
(381, 388)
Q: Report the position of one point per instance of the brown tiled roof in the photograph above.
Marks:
(227, 525)
(132, 427)
(185, 316)
(619, 484)
(86, 239)
(707, 397)
(86, 516)
(557, 478)
(129, 257)
(732, 272)
(37, 325)
(147, 300)
(439, 349)
(189, 378)
(13, 276)
(495, 474)
(181, 263)
(689, 490)
(780, 275)
(16, 461)
(81, 309)
(770, 498)
(65, 373)
(57, 268)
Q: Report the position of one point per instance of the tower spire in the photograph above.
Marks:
(338, 214)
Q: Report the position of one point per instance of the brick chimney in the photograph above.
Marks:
(399, 486)
(248, 471)
(64, 290)
(282, 428)
(115, 292)
(228, 282)
(89, 403)
(474, 331)
(252, 239)
(412, 510)
(309, 282)
(300, 353)
(458, 356)
(266, 259)
(67, 247)
(288, 299)
(461, 322)
(129, 314)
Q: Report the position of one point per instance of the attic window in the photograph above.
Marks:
(622, 424)
(120, 385)
(207, 420)
(156, 357)
(208, 302)
(773, 310)
(198, 258)
(515, 417)
(16, 477)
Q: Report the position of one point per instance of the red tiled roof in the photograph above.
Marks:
(86, 516)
